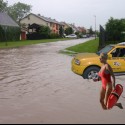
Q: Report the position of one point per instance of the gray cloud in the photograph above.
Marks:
(80, 12)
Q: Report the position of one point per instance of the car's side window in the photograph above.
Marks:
(115, 53)
(118, 52)
(122, 52)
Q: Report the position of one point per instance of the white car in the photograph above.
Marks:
(71, 36)
(84, 36)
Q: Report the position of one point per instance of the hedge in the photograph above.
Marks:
(9, 34)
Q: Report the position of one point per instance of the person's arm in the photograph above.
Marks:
(108, 67)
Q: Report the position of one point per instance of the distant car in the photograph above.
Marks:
(84, 36)
(71, 36)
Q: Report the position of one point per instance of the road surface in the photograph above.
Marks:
(38, 86)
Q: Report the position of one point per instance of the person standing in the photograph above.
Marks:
(107, 77)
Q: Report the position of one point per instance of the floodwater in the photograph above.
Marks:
(38, 86)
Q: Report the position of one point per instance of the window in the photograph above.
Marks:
(118, 52)
(105, 49)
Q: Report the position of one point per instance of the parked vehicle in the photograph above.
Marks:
(84, 36)
(88, 64)
(71, 36)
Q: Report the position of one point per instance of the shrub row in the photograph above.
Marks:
(9, 33)
(38, 36)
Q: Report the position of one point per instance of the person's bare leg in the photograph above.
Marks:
(102, 97)
(108, 92)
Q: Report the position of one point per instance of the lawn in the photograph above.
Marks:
(89, 46)
(28, 42)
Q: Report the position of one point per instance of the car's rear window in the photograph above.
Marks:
(105, 49)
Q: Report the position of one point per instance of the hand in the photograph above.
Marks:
(95, 79)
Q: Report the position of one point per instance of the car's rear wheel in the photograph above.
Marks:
(91, 72)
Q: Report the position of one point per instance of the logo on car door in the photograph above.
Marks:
(117, 64)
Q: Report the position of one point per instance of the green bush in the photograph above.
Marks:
(2, 35)
(54, 36)
(9, 34)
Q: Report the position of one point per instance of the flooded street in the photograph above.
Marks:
(27, 69)
(38, 86)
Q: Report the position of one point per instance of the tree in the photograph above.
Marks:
(3, 6)
(44, 31)
(61, 31)
(114, 29)
(19, 10)
(68, 31)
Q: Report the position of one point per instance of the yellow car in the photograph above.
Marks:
(88, 64)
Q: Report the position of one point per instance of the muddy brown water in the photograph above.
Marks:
(25, 69)
(38, 86)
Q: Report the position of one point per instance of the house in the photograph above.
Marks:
(74, 28)
(65, 25)
(5, 22)
(40, 20)
(82, 30)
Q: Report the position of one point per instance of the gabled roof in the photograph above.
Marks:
(64, 24)
(44, 18)
(6, 20)
(49, 20)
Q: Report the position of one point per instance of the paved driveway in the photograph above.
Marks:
(38, 86)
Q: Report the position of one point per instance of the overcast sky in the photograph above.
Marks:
(79, 12)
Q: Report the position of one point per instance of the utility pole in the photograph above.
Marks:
(95, 26)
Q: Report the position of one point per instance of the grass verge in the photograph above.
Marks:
(89, 46)
(27, 42)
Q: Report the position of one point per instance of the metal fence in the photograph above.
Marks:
(102, 38)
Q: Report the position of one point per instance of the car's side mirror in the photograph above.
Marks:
(109, 56)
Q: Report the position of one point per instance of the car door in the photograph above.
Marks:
(117, 61)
